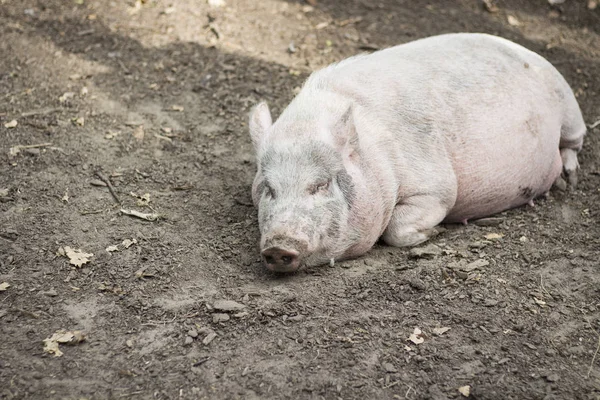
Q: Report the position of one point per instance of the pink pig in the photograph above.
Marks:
(443, 129)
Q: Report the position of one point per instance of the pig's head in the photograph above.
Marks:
(302, 189)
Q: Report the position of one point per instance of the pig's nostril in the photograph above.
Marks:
(278, 259)
(287, 259)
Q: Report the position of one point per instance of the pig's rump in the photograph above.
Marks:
(496, 108)
(504, 147)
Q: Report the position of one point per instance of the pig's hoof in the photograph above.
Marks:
(572, 178)
(570, 166)
(560, 184)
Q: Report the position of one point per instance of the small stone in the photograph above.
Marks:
(417, 284)
(129, 343)
(188, 341)
(490, 302)
(37, 375)
(218, 317)
(296, 318)
(209, 338)
(32, 152)
(389, 367)
(462, 275)
(192, 333)
(96, 182)
(50, 293)
(475, 265)
(241, 314)
(552, 378)
(429, 251)
(550, 352)
(228, 305)
(493, 221)
(560, 184)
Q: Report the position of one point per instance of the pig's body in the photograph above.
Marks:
(449, 128)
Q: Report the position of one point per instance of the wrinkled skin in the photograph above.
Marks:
(449, 128)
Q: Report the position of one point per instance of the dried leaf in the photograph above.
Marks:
(65, 198)
(64, 337)
(77, 257)
(146, 216)
(416, 336)
(494, 236)
(110, 249)
(138, 133)
(4, 286)
(66, 96)
(127, 243)
(51, 347)
(539, 302)
(440, 331)
(143, 200)
(111, 134)
(465, 390)
(513, 21)
(216, 3)
(11, 124)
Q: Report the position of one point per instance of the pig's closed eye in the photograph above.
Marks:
(269, 192)
(320, 187)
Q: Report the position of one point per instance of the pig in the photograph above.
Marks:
(388, 145)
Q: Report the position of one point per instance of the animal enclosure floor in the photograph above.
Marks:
(153, 97)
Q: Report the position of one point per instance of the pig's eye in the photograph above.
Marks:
(319, 187)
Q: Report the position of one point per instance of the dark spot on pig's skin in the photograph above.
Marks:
(527, 192)
(333, 231)
(344, 181)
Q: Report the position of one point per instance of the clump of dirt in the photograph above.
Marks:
(142, 106)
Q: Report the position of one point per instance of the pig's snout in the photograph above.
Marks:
(281, 260)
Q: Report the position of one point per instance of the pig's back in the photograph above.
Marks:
(495, 107)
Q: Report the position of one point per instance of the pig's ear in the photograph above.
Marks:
(344, 133)
(260, 121)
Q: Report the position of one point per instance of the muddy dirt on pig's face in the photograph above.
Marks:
(304, 196)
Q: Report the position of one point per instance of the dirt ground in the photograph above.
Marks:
(155, 97)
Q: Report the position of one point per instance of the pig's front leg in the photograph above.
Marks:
(414, 219)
